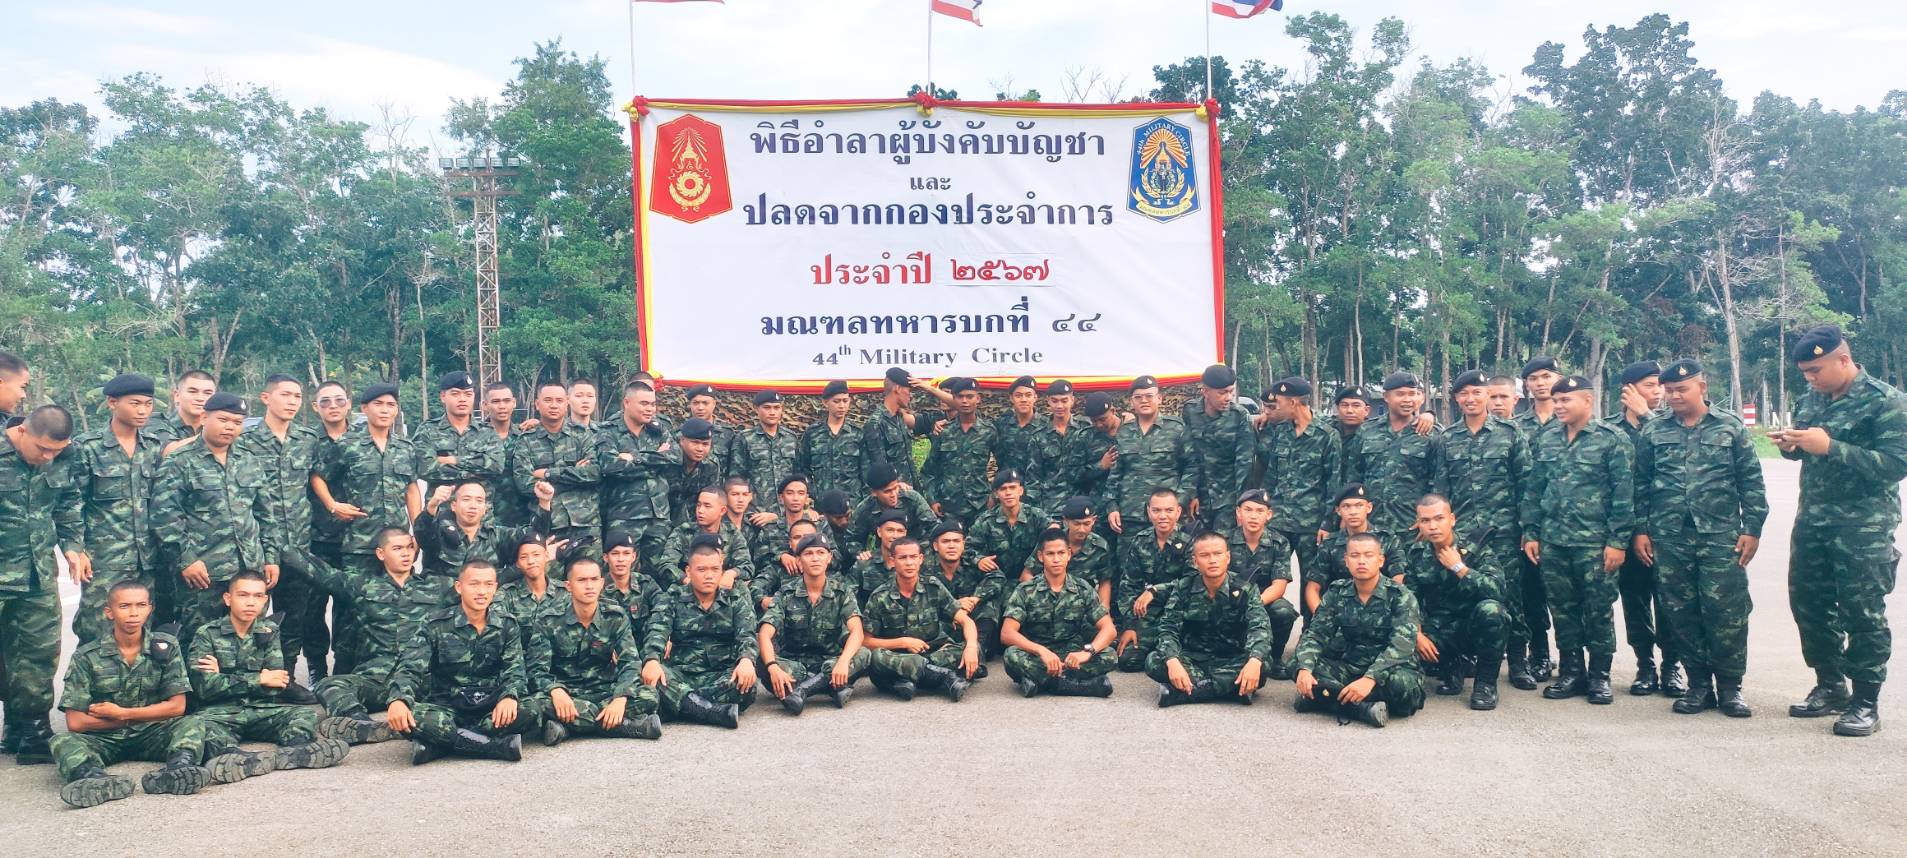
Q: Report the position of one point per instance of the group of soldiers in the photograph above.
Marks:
(479, 578)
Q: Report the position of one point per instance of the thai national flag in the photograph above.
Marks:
(1245, 8)
(965, 10)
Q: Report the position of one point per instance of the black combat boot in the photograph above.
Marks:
(639, 728)
(1170, 696)
(1570, 681)
(230, 764)
(903, 689)
(1450, 675)
(797, 698)
(298, 695)
(471, 743)
(1066, 685)
(1647, 682)
(423, 752)
(320, 753)
(1863, 714)
(1828, 697)
(697, 708)
(1277, 666)
(356, 727)
(1673, 683)
(947, 680)
(1541, 666)
(1520, 676)
(1700, 696)
(1302, 703)
(554, 732)
(1483, 691)
(36, 744)
(92, 786)
(1027, 687)
(10, 732)
(1728, 698)
(1597, 688)
(181, 775)
(1366, 712)
(843, 694)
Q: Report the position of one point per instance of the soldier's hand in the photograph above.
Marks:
(544, 491)
(611, 716)
(346, 512)
(1305, 682)
(839, 676)
(1112, 521)
(1109, 458)
(1126, 638)
(1259, 420)
(745, 676)
(1645, 549)
(1633, 401)
(504, 714)
(762, 519)
(1250, 677)
(541, 473)
(437, 497)
(1426, 423)
(779, 680)
(1612, 559)
(274, 678)
(564, 706)
(1426, 648)
(652, 673)
(1322, 535)
(967, 603)
(526, 425)
(1176, 674)
(727, 581)
(271, 575)
(1783, 441)
(790, 562)
(863, 556)
(1745, 547)
(1533, 551)
(398, 714)
(79, 566)
(1140, 604)
(1813, 440)
(1053, 663)
(989, 563)
(109, 711)
(208, 663)
(914, 645)
(195, 576)
(662, 447)
(627, 457)
(970, 661)
(1077, 659)
(1448, 557)
(935, 506)
(1193, 509)
(1357, 691)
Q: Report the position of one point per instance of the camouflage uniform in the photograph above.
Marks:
(1270, 561)
(988, 589)
(1011, 545)
(764, 460)
(1063, 621)
(373, 480)
(1535, 597)
(1301, 475)
(594, 664)
(1224, 448)
(700, 649)
(955, 473)
(1843, 561)
(1093, 561)
(831, 460)
(529, 609)
(809, 633)
(675, 555)
(1051, 478)
(1146, 565)
(451, 676)
(327, 545)
(1698, 489)
(217, 513)
(1348, 639)
(288, 465)
(687, 480)
(920, 520)
(1080, 469)
(569, 460)
(169, 427)
(1464, 616)
(231, 703)
(637, 601)
(1645, 613)
(1484, 473)
(635, 493)
(885, 437)
(99, 675)
(116, 497)
(1158, 459)
(444, 548)
(928, 615)
(1330, 567)
(1212, 635)
(39, 511)
(1586, 504)
(478, 450)
(1396, 467)
(389, 615)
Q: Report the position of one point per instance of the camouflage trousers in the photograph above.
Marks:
(717, 686)
(347, 693)
(857, 666)
(292, 599)
(1220, 670)
(30, 648)
(228, 724)
(1284, 615)
(154, 741)
(590, 703)
(317, 629)
(1304, 544)
(1400, 689)
(1508, 555)
(436, 723)
(1645, 614)
(1706, 596)
(1582, 598)
(649, 535)
(888, 666)
(1482, 631)
(89, 622)
(1022, 664)
(1535, 610)
(1838, 581)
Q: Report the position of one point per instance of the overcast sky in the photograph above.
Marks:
(352, 55)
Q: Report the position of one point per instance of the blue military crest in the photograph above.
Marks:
(1164, 181)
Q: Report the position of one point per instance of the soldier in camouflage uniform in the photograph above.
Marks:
(331, 404)
(810, 638)
(1700, 505)
(392, 605)
(39, 511)
(460, 679)
(238, 675)
(1393, 460)
(1850, 435)
(1017, 431)
(955, 473)
(1301, 472)
(1349, 412)
(1259, 556)
(1460, 594)
(1585, 515)
(1152, 455)
(114, 468)
(771, 540)
(1052, 480)
(585, 665)
(633, 454)
(125, 700)
(452, 448)
(1483, 471)
(1539, 375)
(1357, 656)
(982, 595)
(563, 455)
(1352, 508)
(450, 536)
(916, 633)
(698, 650)
(694, 465)
(1213, 634)
(1005, 535)
(888, 435)
(1057, 634)
(1221, 439)
(212, 511)
(499, 419)
(886, 491)
(1090, 456)
(189, 393)
(531, 594)
(369, 481)
(14, 378)
(287, 452)
(829, 450)
(1147, 564)
(765, 453)
(702, 406)
(1093, 561)
(739, 568)
(624, 584)
(1645, 617)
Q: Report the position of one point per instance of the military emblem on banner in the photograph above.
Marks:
(689, 179)
(1164, 182)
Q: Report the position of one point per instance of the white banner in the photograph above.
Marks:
(789, 242)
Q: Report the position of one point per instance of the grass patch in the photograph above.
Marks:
(1764, 447)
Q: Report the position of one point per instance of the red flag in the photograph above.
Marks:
(1246, 8)
(965, 10)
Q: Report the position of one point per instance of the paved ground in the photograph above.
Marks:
(1071, 776)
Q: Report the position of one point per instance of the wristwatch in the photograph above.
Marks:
(1089, 650)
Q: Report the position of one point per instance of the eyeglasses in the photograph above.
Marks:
(333, 400)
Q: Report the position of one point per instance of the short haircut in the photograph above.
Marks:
(463, 484)
(1502, 381)
(495, 386)
(1053, 534)
(1362, 538)
(196, 375)
(1208, 536)
(1433, 499)
(704, 550)
(721, 495)
(579, 560)
(125, 584)
(11, 364)
(51, 422)
(635, 386)
(732, 482)
(246, 575)
(278, 378)
(476, 566)
(907, 540)
(386, 535)
(804, 523)
(1162, 491)
(552, 383)
(582, 382)
(332, 382)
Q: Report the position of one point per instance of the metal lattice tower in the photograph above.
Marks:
(483, 189)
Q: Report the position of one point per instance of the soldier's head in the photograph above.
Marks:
(379, 404)
(395, 549)
(190, 392)
(476, 585)
(1218, 387)
(711, 504)
(1351, 407)
(814, 556)
(1211, 556)
(1354, 507)
(639, 402)
(768, 408)
(739, 495)
(128, 605)
(949, 540)
(1575, 401)
(332, 403)
(1471, 390)
(1163, 510)
(1144, 396)
(1685, 387)
(702, 402)
(499, 403)
(582, 400)
(1080, 516)
(1289, 398)
(1436, 524)
(966, 396)
(468, 503)
(14, 377)
(1539, 375)
(1023, 395)
(697, 437)
(1823, 357)
(897, 387)
(1645, 380)
(129, 399)
(533, 559)
(704, 569)
(890, 526)
(583, 578)
(1099, 410)
(908, 556)
(833, 504)
(246, 595)
(1503, 396)
(281, 397)
(836, 399)
(1254, 511)
(552, 404)
(1403, 396)
(884, 484)
(1054, 552)
(801, 528)
(457, 392)
(223, 420)
(1009, 488)
(1059, 398)
(793, 492)
(619, 554)
(1364, 557)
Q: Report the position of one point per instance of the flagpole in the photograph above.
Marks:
(930, 48)
(1206, 9)
(632, 48)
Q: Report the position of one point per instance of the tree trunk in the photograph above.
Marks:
(1730, 324)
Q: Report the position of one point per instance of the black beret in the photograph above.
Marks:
(1681, 370)
(617, 539)
(1291, 386)
(225, 402)
(1353, 490)
(1636, 372)
(697, 429)
(832, 502)
(1006, 476)
(894, 515)
(377, 390)
(1400, 379)
(1255, 496)
(947, 525)
(1351, 392)
(1473, 378)
(959, 384)
(458, 380)
(1143, 382)
(128, 384)
(1058, 387)
(880, 474)
(709, 539)
(700, 390)
(790, 479)
(1097, 404)
(1023, 381)
(767, 397)
(812, 540)
(1077, 507)
(899, 376)
(1572, 384)
(1816, 343)
(833, 389)
(1538, 364)
(1218, 376)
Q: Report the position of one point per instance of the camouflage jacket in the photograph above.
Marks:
(1093, 561)
(288, 466)
(675, 554)
(711, 640)
(240, 660)
(1367, 636)
(326, 529)
(516, 600)
(1230, 623)
(634, 490)
(445, 548)
(1146, 564)
(1011, 545)
(1270, 562)
(637, 601)
(1330, 567)
(1483, 474)
(885, 437)
(220, 514)
(373, 480)
(568, 460)
(1587, 489)
(812, 629)
(599, 661)
(1445, 600)
(1396, 468)
(1014, 445)
(688, 479)
(1158, 459)
(920, 520)
(115, 492)
(832, 460)
(39, 511)
(1301, 473)
(1698, 482)
(955, 473)
(1857, 483)
(764, 460)
(478, 450)
(388, 614)
(448, 655)
(97, 674)
(990, 588)
(1224, 450)
(167, 428)
(1063, 620)
(1083, 475)
(1052, 478)
(928, 614)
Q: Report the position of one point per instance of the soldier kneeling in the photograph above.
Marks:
(1357, 657)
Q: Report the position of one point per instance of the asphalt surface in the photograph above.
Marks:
(998, 773)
